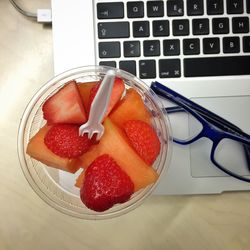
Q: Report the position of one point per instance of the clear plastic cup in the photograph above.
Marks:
(55, 186)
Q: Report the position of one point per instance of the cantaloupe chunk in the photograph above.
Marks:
(114, 143)
(39, 151)
(80, 179)
(131, 107)
(84, 90)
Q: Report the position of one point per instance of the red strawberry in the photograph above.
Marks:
(144, 140)
(65, 106)
(118, 89)
(105, 184)
(64, 140)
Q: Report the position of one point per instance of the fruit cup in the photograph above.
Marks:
(55, 186)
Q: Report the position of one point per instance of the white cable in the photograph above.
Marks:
(23, 12)
(42, 15)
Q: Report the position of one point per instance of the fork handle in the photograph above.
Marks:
(100, 103)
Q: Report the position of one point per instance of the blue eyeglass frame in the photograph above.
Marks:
(214, 128)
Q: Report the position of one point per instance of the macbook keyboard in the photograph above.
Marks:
(174, 38)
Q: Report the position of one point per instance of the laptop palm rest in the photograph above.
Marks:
(234, 109)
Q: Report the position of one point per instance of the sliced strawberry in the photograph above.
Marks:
(118, 89)
(65, 106)
(105, 184)
(144, 139)
(39, 151)
(64, 140)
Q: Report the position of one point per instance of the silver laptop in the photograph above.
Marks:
(200, 48)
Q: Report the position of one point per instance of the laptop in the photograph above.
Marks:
(178, 43)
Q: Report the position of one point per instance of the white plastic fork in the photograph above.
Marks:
(98, 108)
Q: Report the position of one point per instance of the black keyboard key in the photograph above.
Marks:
(215, 7)
(110, 10)
(181, 27)
(191, 46)
(141, 29)
(200, 26)
(151, 48)
(175, 8)
(109, 49)
(240, 24)
(195, 7)
(217, 66)
(131, 49)
(234, 6)
(211, 45)
(169, 68)
(129, 66)
(108, 63)
(113, 30)
(147, 69)
(155, 8)
(220, 25)
(161, 28)
(171, 47)
(231, 44)
(135, 9)
(248, 6)
(246, 43)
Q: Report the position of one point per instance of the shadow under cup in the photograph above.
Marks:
(47, 182)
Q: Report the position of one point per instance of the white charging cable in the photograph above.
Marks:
(42, 15)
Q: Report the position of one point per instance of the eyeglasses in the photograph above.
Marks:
(230, 151)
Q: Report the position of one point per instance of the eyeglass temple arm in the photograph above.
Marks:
(211, 117)
(206, 114)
